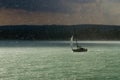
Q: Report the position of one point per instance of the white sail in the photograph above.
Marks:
(78, 48)
(71, 43)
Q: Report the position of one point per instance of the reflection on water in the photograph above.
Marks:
(54, 60)
(55, 43)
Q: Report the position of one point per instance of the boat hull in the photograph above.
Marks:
(80, 50)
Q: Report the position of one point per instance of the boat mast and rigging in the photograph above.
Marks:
(78, 48)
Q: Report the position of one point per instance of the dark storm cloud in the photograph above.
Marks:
(34, 5)
(41, 5)
(83, 1)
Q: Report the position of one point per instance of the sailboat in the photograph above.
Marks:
(78, 48)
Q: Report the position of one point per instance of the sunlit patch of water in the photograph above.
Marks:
(56, 61)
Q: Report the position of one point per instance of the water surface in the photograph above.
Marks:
(54, 60)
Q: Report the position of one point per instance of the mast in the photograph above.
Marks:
(76, 38)
(76, 42)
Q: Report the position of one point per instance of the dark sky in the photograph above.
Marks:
(33, 5)
(59, 12)
(41, 5)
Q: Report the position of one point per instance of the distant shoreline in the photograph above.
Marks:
(60, 32)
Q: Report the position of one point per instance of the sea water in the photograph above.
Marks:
(54, 60)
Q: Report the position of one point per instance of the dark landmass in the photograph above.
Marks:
(59, 32)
